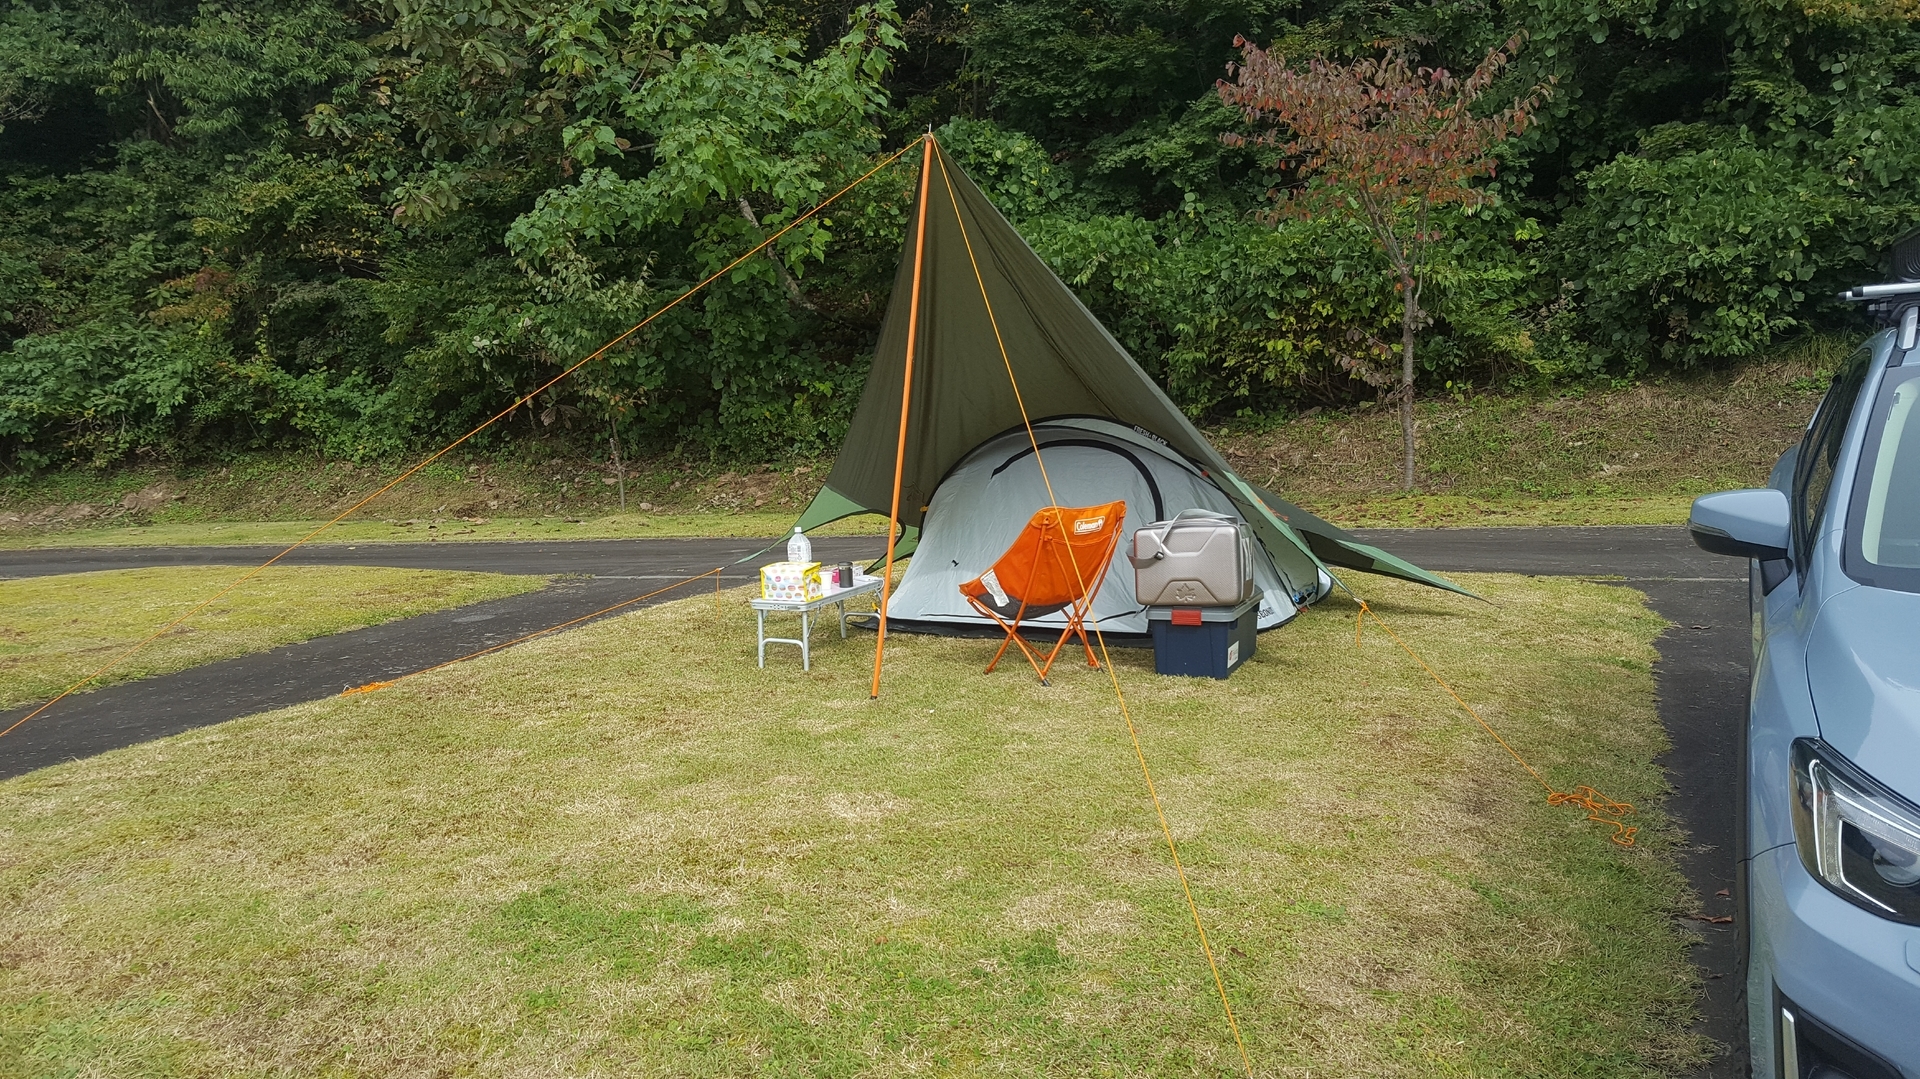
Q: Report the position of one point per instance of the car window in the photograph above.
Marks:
(1820, 452)
(1883, 522)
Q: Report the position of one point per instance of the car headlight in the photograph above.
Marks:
(1856, 836)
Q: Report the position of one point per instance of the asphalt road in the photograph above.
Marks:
(1701, 678)
(591, 575)
(644, 560)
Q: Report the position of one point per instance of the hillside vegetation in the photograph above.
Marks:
(1632, 455)
(350, 228)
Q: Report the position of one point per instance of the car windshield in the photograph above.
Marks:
(1886, 512)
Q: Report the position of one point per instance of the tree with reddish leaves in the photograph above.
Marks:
(1384, 142)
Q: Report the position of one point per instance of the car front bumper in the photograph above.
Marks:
(1846, 981)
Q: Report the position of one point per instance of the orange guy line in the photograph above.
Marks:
(1599, 807)
(371, 687)
(1139, 754)
(449, 447)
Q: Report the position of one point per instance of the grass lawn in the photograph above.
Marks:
(1417, 510)
(1424, 510)
(597, 855)
(56, 630)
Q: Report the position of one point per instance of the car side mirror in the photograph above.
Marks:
(1752, 523)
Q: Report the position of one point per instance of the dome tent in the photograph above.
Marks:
(991, 314)
(980, 507)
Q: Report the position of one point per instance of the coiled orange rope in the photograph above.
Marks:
(1600, 808)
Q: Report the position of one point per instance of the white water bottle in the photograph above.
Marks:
(799, 548)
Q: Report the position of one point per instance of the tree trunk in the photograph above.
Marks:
(779, 268)
(1409, 317)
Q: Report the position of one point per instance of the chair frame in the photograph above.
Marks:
(1076, 609)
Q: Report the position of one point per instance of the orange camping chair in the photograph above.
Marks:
(1056, 564)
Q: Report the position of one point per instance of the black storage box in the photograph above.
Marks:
(1204, 642)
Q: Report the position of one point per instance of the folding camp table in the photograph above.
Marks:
(862, 586)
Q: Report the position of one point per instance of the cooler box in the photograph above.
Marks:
(1204, 642)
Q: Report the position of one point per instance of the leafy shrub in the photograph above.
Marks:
(1014, 170)
(363, 226)
(1680, 255)
(95, 393)
(1236, 314)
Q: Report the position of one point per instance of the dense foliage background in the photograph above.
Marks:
(356, 225)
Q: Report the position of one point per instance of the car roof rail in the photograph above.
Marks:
(1896, 302)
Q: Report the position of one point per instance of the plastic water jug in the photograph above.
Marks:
(799, 548)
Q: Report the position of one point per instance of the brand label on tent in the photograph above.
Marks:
(1088, 524)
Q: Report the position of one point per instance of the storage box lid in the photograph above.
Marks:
(1207, 614)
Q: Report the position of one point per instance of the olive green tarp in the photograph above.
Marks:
(1065, 363)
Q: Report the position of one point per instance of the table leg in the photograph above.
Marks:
(806, 639)
(763, 637)
(843, 619)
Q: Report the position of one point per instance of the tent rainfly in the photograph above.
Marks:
(996, 328)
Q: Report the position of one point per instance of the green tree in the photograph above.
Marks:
(357, 224)
(1387, 144)
(615, 150)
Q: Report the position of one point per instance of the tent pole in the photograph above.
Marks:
(906, 396)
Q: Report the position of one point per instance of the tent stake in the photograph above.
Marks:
(906, 397)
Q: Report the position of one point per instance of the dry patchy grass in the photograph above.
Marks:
(627, 851)
(56, 630)
(273, 498)
(1634, 455)
(1589, 455)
